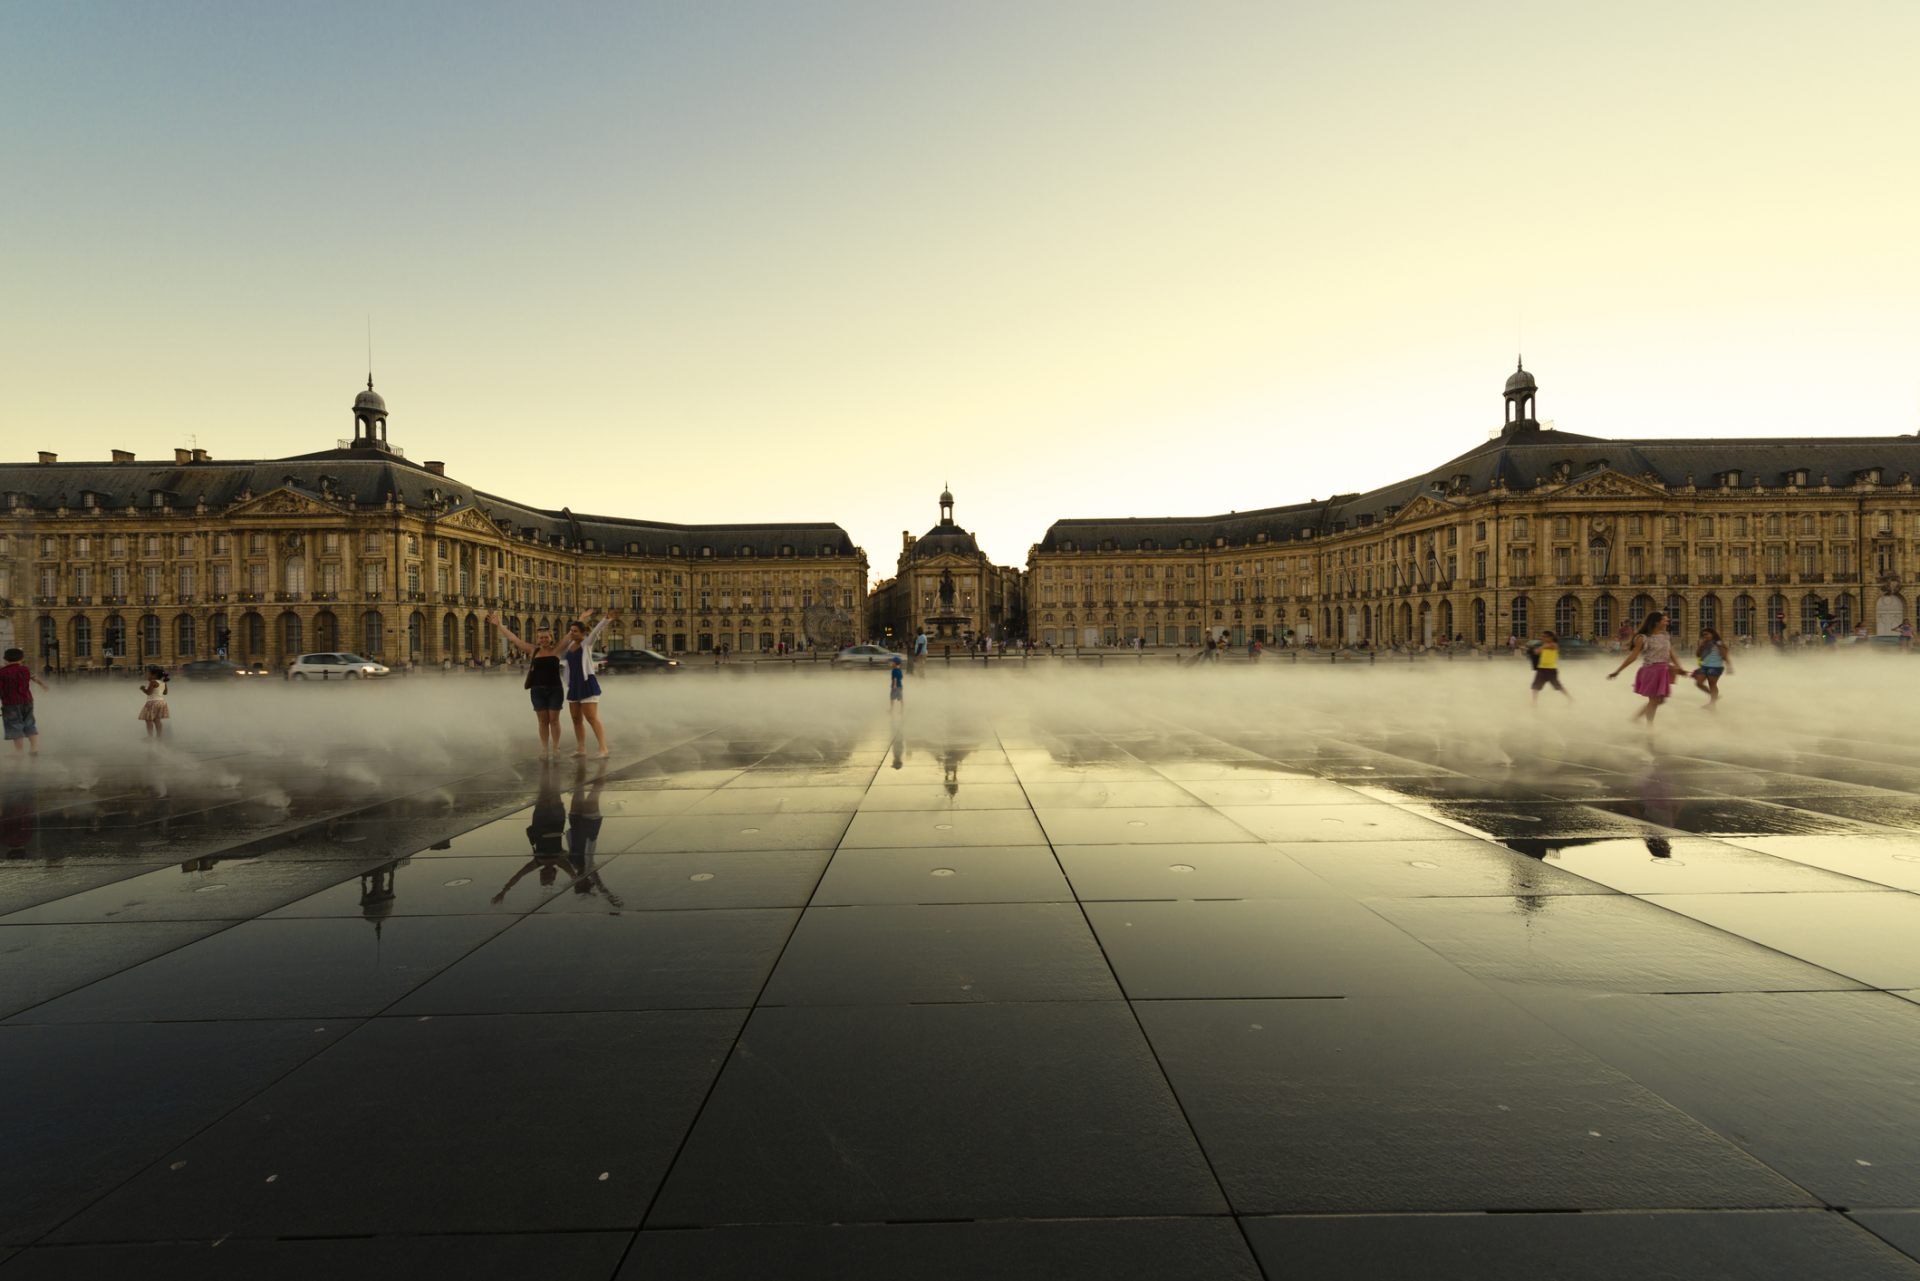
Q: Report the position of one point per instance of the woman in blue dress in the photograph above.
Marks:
(583, 687)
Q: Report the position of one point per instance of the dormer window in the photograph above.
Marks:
(786, 549)
(89, 500)
(744, 550)
(1797, 477)
(706, 553)
(1147, 545)
(1729, 479)
(674, 550)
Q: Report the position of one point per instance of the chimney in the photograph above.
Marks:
(181, 457)
(122, 455)
(906, 540)
(435, 466)
(47, 456)
(200, 456)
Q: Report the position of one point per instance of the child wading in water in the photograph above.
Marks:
(1546, 665)
(1654, 648)
(154, 712)
(16, 702)
(1715, 662)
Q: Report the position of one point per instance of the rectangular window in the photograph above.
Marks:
(222, 579)
(256, 543)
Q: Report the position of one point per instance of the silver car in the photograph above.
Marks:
(337, 666)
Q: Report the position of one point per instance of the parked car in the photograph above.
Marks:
(637, 660)
(335, 666)
(865, 656)
(212, 669)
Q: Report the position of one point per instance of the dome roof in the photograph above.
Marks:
(1520, 380)
(946, 496)
(945, 538)
(370, 399)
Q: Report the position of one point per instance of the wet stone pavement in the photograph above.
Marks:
(980, 999)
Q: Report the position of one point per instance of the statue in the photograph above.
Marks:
(946, 589)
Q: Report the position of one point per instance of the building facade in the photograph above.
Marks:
(946, 586)
(357, 548)
(1758, 538)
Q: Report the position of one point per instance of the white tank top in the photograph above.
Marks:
(1657, 650)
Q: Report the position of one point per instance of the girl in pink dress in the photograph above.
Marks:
(1658, 664)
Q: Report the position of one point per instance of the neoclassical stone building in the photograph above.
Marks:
(1532, 528)
(947, 586)
(359, 548)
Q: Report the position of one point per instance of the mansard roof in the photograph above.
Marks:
(1520, 459)
(350, 478)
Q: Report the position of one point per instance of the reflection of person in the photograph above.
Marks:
(899, 742)
(583, 687)
(1658, 665)
(542, 684)
(19, 815)
(16, 702)
(546, 834)
(583, 835)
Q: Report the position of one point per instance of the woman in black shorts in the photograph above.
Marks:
(544, 683)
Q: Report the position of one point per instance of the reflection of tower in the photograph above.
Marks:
(377, 894)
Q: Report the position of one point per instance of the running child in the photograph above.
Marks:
(1546, 665)
(154, 710)
(1715, 662)
(1658, 664)
(16, 702)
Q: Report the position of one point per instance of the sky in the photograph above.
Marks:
(712, 261)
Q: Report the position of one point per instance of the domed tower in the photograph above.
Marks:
(1520, 392)
(946, 506)
(369, 419)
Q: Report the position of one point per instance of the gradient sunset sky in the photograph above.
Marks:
(752, 261)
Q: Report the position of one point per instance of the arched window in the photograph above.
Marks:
(1566, 616)
(217, 634)
(82, 637)
(296, 571)
(373, 633)
(150, 636)
(183, 637)
(292, 634)
(114, 640)
(1522, 617)
(1641, 607)
(416, 633)
(1743, 615)
(1710, 612)
(253, 630)
(1603, 616)
(1777, 615)
(473, 635)
(326, 630)
(1810, 619)
(1676, 615)
(449, 636)
(49, 639)
(1479, 621)
(1843, 613)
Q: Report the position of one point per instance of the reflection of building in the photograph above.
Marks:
(359, 548)
(1533, 528)
(945, 584)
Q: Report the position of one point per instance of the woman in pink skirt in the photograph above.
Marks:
(1654, 648)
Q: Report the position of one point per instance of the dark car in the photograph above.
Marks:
(638, 660)
(212, 669)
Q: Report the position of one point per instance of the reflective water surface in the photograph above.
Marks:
(1037, 964)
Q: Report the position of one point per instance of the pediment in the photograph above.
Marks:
(1419, 507)
(471, 519)
(286, 502)
(1608, 484)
